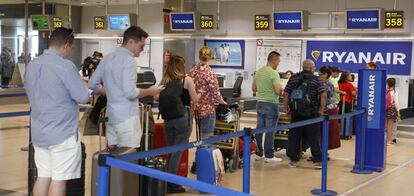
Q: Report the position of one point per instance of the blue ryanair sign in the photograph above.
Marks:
(351, 56)
(287, 20)
(182, 21)
(363, 19)
(373, 97)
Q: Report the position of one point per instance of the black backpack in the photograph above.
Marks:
(170, 104)
(301, 103)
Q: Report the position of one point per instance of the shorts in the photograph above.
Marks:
(61, 161)
(125, 134)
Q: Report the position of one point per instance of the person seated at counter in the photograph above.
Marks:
(372, 65)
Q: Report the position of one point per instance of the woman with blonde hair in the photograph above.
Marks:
(206, 83)
(175, 101)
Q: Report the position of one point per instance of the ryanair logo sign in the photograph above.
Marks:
(353, 55)
(286, 21)
(183, 21)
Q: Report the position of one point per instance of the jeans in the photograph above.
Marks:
(207, 126)
(177, 131)
(267, 116)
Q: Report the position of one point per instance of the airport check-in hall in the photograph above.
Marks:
(206, 97)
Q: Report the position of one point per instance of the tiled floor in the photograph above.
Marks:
(277, 179)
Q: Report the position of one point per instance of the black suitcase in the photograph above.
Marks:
(153, 186)
(74, 187)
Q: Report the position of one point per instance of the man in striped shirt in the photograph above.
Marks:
(311, 132)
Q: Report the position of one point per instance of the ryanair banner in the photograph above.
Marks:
(351, 56)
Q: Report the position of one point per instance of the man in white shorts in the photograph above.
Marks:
(54, 88)
(118, 72)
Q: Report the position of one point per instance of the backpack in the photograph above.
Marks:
(170, 104)
(389, 103)
(300, 103)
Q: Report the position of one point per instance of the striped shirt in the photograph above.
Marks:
(265, 80)
(316, 87)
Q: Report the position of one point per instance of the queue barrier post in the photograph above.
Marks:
(246, 160)
(103, 175)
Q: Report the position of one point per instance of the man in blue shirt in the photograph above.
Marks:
(54, 88)
(118, 72)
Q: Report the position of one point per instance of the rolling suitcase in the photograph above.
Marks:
(345, 124)
(127, 183)
(74, 187)
(151, 186)
(210, 165)
(121, 182)
(209, 161)
(159, 141)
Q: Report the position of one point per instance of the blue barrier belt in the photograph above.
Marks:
(24, 113)
(202, 186)
(346, 115)
(289, 126)
(180, 147)
(12, 86)
(13, 95)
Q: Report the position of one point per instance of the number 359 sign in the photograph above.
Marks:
(261, 22)
(394, 20)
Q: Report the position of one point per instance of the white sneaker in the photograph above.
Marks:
(273, 160)
(257, 157)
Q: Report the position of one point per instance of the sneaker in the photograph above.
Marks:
(317, 165)
(273, 160)
(394, 141)
(293, 164)
(257, 157)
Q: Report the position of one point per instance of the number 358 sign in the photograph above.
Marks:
(394, 20)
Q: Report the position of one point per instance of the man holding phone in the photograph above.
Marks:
(118, 72)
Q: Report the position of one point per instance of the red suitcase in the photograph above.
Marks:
(160, 141)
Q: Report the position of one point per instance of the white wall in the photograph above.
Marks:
(237, 19)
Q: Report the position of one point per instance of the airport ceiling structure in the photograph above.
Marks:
(102, 2)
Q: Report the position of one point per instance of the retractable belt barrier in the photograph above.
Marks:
(121, 162)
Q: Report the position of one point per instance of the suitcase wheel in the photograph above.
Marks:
(233, 164)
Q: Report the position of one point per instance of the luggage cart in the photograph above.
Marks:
(230, 148)
(281, 136)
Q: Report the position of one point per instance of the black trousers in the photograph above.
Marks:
(96, 110)
(311, 134)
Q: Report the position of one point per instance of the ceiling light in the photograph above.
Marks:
(83, 3)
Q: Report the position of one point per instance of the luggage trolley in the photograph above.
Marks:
(281, 136)
(228, 121)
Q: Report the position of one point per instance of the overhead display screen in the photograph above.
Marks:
(288, 20)
(57, 22)
(394, 20)
(183, 21)
(99, 22)
(261, 22)
(206, 22)
(119, 22)
(40, 22)
(363, 19)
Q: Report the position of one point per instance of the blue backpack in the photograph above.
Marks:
(301, 105)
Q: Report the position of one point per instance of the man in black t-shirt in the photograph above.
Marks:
(317, 95)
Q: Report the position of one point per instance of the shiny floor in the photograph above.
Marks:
(266, 179)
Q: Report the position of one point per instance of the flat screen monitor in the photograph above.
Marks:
(288, 20)
(182, 21)
(364, 19)
(119, 22)
(40, 22)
